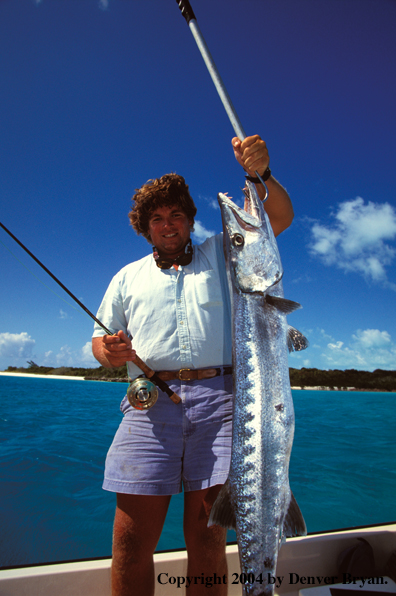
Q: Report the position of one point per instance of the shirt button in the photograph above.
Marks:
(181, 322)
(183, 347)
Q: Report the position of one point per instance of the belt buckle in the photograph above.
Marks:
(182, 370)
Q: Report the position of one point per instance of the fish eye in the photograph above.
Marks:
(238, 240)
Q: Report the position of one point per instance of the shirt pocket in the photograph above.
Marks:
(208, 289)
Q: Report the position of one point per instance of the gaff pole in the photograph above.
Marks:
(190, 17)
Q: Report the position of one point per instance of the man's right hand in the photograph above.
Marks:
(113, 350)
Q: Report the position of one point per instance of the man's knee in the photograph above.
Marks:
(136, 532)
(197, 534)
(128, 547)
(207, 546)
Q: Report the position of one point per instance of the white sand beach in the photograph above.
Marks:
(321, 388)
(16, 374)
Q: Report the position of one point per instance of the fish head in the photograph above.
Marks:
(250, 248)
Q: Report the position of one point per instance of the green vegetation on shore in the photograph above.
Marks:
(378, 380)
(90, 374)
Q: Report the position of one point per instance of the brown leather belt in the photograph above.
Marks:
(194, 374)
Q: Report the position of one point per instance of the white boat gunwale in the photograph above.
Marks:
(312, 555)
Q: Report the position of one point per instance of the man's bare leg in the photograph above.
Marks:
(205, 546)
(137, 528)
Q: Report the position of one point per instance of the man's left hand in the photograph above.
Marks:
(252, 154)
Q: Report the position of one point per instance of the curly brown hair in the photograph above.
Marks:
(170, 189)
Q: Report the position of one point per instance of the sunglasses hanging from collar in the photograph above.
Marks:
(164, 263)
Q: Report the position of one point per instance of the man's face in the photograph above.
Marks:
(169, 229)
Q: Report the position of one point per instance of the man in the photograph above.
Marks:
(179, 321)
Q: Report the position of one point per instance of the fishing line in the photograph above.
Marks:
(142, 396)
(56, 279)
(41, 281)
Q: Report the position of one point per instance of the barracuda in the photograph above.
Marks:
(256, 500)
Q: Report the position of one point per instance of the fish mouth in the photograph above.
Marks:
(249, 245)
(253, 205)
(246, 219)
(253, 213)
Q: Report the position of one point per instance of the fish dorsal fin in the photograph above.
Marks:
(284, 305)
(222, 513)
(294, 524)
(296, 341)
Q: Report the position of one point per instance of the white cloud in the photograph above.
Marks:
(82, 357)
(366, 349)
(358, 240)
(16, 346)
(213, 203)
(69, 357)
(87, 357)
(200, 232)
(372, 338)
(339, 356)
(64, 357)
(103, 4)
(337, 346)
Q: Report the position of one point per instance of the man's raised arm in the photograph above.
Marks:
(252, 154)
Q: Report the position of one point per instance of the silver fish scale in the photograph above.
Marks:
(263, 430)
(257, 489)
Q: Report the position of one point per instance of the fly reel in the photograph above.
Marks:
(142, 393)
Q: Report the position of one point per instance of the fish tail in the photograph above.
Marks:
(222, 513)
(294, 524)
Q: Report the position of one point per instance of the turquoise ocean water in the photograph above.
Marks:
(54, 435)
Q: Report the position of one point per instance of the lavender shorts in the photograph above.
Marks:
(156, 451)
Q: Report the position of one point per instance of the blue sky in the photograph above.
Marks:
(97, 96)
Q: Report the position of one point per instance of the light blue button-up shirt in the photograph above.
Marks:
(177, 319)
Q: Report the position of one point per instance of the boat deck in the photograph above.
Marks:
(304, 563)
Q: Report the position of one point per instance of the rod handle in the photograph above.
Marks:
(143, 366)
(150, 374)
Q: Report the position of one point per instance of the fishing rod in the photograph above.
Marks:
(188, 14)
(142, 394)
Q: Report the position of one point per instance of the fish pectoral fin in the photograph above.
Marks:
(294, 524)
(222, 513)
(296, 341)
(284, 305)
